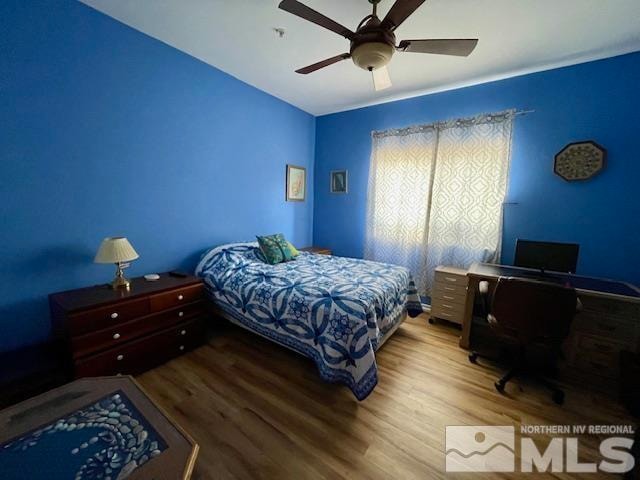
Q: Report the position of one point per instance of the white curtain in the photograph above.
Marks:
(436, 194)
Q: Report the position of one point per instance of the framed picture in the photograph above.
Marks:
(339, 181)
(296, 187)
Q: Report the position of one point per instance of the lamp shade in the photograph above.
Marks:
(115, 250)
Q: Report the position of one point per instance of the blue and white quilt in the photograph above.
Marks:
(334, 310)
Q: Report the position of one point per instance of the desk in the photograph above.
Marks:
(608, 323)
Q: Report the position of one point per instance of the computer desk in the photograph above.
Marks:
(608, 323)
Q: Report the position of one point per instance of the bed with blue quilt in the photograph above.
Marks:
(337, 311)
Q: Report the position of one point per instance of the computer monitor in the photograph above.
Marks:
(557, 257)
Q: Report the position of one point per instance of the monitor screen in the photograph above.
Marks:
(557, 257)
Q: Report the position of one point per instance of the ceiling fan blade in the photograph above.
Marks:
(323, 63)
(309, 14)
(400, 11)
(381, 79)
(457, 47)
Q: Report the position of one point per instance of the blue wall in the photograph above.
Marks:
(594, 101)
(106, 131)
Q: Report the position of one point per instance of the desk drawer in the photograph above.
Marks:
(600, 345)
(445, 278)
(124, 332)
(611, 308)
(138, 356)
(104, 317)
(607, 327)
(175, 298)
(605, 364)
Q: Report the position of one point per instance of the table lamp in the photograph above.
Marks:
(117, 250)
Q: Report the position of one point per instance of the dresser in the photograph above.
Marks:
(102, 331)
(449, 294)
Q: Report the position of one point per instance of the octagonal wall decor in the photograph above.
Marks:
(579, 161)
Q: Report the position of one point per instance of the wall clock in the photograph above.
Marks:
(579, 161)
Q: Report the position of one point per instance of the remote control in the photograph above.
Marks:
(178, 274)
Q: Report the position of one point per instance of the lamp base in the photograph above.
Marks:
(120, 281)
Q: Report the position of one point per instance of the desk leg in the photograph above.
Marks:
(472, 288)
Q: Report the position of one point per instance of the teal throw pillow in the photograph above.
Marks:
(275, 248)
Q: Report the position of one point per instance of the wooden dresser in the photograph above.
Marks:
(317, 250)
(103, 331)
(449, 294)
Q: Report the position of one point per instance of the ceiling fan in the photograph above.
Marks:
(374, 41)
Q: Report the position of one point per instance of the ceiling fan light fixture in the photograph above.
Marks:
(381, 79)
(372, 55)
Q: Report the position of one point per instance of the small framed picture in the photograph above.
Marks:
(339, 181)
(296, 183)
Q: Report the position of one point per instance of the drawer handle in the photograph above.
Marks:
(451, 279)
(114, 315)
(446, 306)
(181, 314)
(448, 297)
(451, 289)
(445, 314)
(116, 336)
(180, 297)
(603, 348)
(181, 347)
(605, 327)
(120, 357)
(183, 332)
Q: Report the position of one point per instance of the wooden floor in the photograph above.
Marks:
(260, 411)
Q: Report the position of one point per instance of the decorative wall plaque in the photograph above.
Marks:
(579, 161)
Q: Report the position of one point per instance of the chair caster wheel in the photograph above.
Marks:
(473, 358)
(558, 397)
(499, 386)
(431, 321)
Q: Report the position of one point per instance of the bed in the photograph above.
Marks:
(337, 311)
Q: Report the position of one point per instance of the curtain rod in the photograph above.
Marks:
(439, 124)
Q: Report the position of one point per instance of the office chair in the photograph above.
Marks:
(530, 313)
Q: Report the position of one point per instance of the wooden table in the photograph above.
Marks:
(74, 430)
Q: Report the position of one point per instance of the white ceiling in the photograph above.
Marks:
(516, 37)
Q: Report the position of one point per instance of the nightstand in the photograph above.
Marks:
(317, 250)
(102, 331)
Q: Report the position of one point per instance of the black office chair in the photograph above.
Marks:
(529, 314)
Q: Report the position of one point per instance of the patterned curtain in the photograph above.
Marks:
(436, 194)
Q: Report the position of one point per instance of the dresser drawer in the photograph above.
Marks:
(124, 332)
(444, 296)
(175, 298)
(452, 315)
(450, 289)
(138, 356)
(104, 317)
(446, 278)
